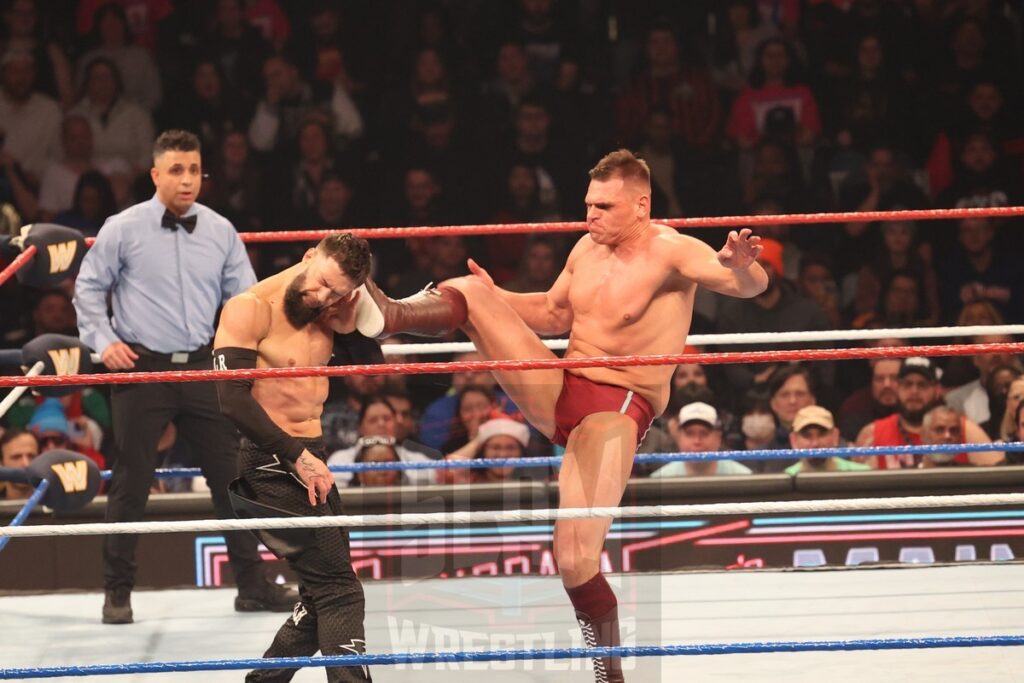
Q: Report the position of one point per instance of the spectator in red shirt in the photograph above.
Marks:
(144, 17)
(943, 425)
(773, 85)
(687, 92)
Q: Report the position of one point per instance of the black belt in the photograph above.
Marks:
(203, 353)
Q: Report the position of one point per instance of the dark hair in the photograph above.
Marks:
(351, 253)
(813, 258)
(792, 75)
(782, 376)
(687, 394)
(175, 140)
(117, 11)
(395, 392)
(472, 389)
(756, 401)
(100, 183)
(621, 164)
(43, 294)
(13, 433)
(369, 403)
(114, 70)
(1011, 367)
(906, 274)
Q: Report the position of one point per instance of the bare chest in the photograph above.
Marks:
(616, 290)
(287, 347)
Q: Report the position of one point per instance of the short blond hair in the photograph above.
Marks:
(622, 164)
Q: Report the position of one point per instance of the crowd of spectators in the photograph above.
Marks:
(341, 114)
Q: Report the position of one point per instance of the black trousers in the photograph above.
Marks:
(329, 617)
(140, 413)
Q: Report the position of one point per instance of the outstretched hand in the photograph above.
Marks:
(740, 250)
(476, 269)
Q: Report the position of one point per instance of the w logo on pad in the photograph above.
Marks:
(74, 475)
(62, 256)
(66, 361)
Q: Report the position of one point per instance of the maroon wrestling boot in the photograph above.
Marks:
(432, 312)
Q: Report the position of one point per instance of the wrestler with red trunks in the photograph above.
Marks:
(627, 288)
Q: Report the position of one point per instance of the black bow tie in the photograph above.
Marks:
(171, 222)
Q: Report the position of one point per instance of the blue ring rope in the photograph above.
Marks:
(510, 655)
(643, 458)
(30, 504)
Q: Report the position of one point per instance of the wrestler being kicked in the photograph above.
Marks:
(627, 288)
(302, 316)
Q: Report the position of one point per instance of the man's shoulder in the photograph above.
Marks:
(134, 213)
(214, 219)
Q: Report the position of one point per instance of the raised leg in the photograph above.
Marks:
(500, 334)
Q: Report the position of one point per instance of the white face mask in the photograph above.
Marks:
(759, 427)
(941, 458)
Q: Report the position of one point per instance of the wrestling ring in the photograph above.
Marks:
(926, 622)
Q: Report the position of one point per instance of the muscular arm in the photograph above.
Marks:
(700, 263)
(546, 313)
(244, 322)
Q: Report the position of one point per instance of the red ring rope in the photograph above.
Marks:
(19, 261)
(576, 226)
(490, 365)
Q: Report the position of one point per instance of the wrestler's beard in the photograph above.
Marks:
(915, 417)
(298, 312)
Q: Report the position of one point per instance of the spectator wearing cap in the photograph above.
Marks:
(699, 430)
(814, 427)
(780, 308)
(917, 392)
(18, 447)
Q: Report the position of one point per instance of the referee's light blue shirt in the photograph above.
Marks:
(165, 285)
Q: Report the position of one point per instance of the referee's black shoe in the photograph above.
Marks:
(117, 606)
(265, 596)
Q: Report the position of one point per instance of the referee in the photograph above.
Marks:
(167, 265)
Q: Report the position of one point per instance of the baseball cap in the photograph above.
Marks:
(920, 365)
(698, 412)
(813, 416)
(503, 426)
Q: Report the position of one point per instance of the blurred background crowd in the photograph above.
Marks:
(399, 113)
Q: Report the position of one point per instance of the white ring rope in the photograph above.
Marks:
(500, 516)
(11, 398)
(749, 338)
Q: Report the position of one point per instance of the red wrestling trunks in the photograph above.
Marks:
(580, 397)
